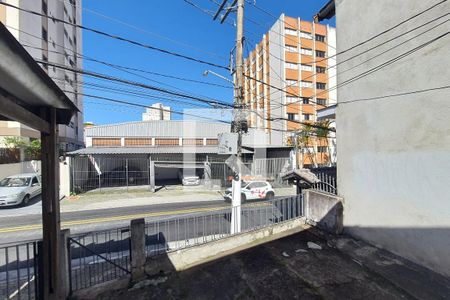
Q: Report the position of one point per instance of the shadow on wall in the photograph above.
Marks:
(429, 247)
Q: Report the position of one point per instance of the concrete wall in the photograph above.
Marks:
(324, 210)
(18, 168)
(192, 256)
(394, 152)
(276, 38)
(27, 167)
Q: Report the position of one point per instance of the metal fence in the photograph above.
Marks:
(101, 256)
(98, 257)
(88, 173)
(327, 183)
(97, 173)
(180, 232)
(18, 271)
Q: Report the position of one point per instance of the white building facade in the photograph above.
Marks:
(393, 127)
(158, 112)
(46, 39)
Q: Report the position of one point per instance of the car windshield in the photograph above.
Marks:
(15, 182)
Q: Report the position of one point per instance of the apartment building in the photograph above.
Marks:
(49, 40)
(288, 78)
(157, 112)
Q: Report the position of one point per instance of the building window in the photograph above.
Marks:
(291, 65)
(306, 68)
(291, 99)
(305, 100)
(106, 142)
(322, 101)
(292, 117)
(320, 53)
(306, 84)
(322, 149)
(44, 7)
(212, 141)
(306, 117)
(193, 142)
(45, 58)
(321, 69)
(320, 38)
(291, 48)
(306, 35)
(291, 82)
(138, 142)
(306, 51)
(290, 31)
(44, 34)
(167, 142)
(321, 85)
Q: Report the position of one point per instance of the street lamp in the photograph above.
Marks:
(206, 72)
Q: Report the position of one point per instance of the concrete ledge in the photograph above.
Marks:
(197, 255)
(324, 210)
(193, 256)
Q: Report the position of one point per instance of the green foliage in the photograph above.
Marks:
(15, 142)
(32, 148)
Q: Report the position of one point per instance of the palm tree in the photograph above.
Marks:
(322, 131)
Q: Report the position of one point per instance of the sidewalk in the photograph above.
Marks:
(122, 198)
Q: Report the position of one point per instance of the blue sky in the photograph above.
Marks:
(154, 23)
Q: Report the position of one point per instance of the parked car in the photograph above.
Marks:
(19, 189)
(253, 190)
(188, 179)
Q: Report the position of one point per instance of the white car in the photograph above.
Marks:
(188, 179)
(19, 189)
(253, 190)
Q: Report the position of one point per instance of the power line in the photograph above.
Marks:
(150, 33)
(136, 43)
(146, 106)
(214, 103)
(135, 93)
(115, 65)
(376, 68)
(374, 47)
(395, 95)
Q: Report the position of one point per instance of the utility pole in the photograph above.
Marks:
(239, 117)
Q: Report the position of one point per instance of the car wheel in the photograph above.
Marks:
(243, 198)
(269, 196)
(26, 200)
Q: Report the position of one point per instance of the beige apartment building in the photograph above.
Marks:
(49, 40)
(290, 75)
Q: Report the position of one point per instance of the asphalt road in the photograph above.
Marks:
(15, 226)
(105, 251)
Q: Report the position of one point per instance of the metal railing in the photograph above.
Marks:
(98, 257)
(18, 271)
(327, 183)
(176, 233)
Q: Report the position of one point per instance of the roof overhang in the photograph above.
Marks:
(327, 113)
(26, 91)
(327, 12)
(148, 150)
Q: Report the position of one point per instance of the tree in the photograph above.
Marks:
(15, 142)
(32, 149)
(308, 136)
